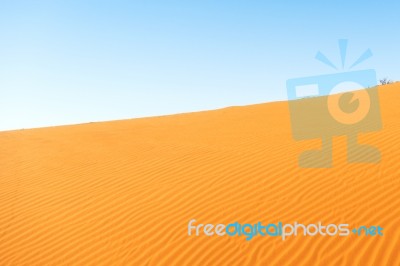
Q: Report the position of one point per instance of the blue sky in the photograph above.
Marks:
(67, 62)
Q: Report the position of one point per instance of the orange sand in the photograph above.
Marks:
(123, 192)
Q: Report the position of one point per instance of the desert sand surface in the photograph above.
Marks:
(123, 192)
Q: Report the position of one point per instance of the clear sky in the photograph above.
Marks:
(67, 62)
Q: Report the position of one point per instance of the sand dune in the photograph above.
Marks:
(123, 192)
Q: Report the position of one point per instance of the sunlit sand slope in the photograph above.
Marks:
(123, 192)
